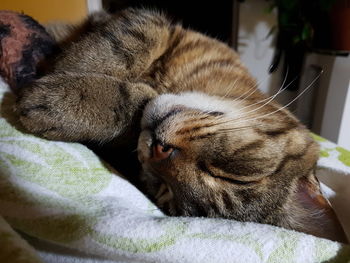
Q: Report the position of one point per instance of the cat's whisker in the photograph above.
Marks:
(289, 103)
(252, 89)
(241, 97)
(241, 118)
(271, 98)
(229, 89)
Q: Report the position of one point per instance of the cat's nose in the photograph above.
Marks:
(160, 152)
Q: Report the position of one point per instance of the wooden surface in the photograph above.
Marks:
(49, 10)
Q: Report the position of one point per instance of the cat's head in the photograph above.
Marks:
(239, 159)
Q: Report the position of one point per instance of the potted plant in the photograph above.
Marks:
(302, 25)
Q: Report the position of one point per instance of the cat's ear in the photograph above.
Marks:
(319, 218)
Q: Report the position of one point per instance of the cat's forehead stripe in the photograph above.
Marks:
(157, 121)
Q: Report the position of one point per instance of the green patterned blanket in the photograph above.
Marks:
(63, 193)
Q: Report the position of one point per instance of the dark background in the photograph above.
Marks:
(214, 18)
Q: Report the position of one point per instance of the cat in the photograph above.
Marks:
(209, 142)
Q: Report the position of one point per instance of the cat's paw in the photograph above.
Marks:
(39, 112)
(81, 107)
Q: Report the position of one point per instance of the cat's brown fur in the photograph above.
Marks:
(253, 165)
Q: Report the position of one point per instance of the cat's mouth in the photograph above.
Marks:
(164, 195)
(164, 198)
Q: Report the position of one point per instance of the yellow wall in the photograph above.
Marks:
(48, 10)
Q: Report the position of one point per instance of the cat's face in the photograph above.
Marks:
(244, 159)
(208, 156)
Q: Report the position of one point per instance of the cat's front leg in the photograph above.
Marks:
(92, 93)
(81, 107)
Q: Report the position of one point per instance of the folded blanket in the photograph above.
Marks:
(63, 193)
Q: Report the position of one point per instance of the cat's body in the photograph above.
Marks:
(211, 145)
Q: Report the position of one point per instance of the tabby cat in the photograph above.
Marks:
(210, 143)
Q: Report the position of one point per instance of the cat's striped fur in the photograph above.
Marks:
(211, 143)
